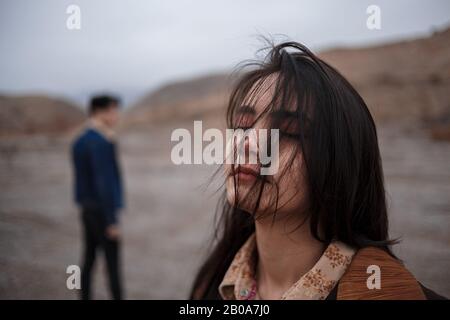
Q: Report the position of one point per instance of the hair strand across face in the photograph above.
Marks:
(339, 146)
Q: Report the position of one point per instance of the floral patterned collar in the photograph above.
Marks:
(239, 281)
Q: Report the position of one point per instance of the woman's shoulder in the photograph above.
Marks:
(374, 274)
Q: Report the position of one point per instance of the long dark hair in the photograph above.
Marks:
(339, 145)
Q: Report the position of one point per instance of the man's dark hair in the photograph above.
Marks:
(102, 102)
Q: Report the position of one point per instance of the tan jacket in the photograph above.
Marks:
(341, 273)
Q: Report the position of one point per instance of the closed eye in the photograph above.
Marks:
(288, 135)
(242, 127)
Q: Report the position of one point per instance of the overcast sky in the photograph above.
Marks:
(131, 47)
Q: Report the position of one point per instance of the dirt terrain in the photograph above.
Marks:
(170, 209)
(170, 213)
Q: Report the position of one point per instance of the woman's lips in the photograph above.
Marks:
(246, 173)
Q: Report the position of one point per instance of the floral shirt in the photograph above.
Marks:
(239, 281)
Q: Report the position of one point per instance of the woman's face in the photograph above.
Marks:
(286, 190)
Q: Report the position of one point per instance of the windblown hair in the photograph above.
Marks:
(102, 102)
(339, 145)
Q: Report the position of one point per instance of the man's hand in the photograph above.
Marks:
(112, 232)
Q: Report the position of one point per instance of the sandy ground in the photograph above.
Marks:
(170, 213)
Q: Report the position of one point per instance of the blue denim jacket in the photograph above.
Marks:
(98, 180)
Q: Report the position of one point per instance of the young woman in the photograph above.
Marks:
(318, 228)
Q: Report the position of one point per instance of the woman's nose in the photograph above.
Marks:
(251, 146)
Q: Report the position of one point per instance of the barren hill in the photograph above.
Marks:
(191, 99)
(407, 81)
(37, 114)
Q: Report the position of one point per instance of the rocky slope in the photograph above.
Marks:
(407, 82)
(37, 114)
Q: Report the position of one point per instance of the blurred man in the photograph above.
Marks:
(98, 191)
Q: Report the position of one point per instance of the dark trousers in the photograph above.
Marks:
(94, 239)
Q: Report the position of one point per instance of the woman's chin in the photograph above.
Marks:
(246, 196)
